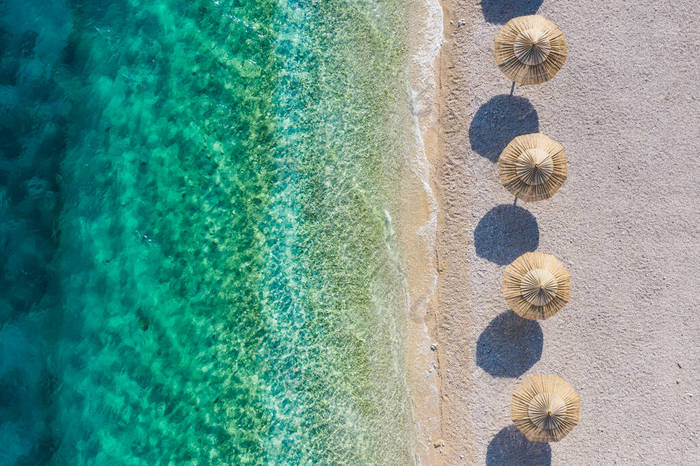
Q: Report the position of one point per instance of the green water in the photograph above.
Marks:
(200, 266)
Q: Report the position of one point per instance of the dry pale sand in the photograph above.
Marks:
(625, 224)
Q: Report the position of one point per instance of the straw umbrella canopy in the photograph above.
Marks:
(536, 285)
(532, 167)
(530, 49)
(545, 408)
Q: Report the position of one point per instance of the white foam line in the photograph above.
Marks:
(423, 93)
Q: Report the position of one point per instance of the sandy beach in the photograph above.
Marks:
(625, 224)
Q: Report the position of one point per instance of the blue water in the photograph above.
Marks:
(198, 259)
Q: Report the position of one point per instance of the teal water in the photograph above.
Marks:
(198, 260)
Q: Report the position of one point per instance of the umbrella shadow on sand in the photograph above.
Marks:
(509, 345)
(501, 11)
(498, 121)
(505, 233)
(510, 446)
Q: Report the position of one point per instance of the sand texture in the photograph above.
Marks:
(625, 225)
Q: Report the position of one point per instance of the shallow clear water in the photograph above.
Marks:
(198, 261)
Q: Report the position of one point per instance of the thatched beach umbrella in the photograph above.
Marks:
(545, 408)
(532, 167)
(536, 285)
(530, 49)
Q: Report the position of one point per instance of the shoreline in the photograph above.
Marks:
(419, 217)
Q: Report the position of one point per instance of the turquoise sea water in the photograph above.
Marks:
(198, 260)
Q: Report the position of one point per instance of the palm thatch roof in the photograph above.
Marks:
(533, 167)
(536, 285)
(530, 49)
(545, 408)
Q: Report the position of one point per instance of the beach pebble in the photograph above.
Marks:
(439, 443)
(461, 23)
